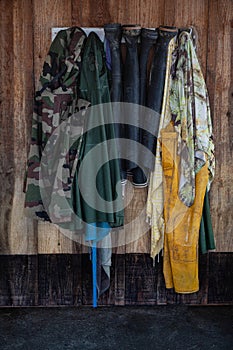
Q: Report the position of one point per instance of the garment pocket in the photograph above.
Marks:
(185, 253)
(184, 234)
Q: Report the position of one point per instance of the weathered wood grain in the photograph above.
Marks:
(141, 280)
(190, 13)
(86, 273)
(219, 74)
(6, 119)
(220, 279)
(65, 279)
(18, 280)
(138, 232)
(17, 232)
(51, 240)
(56, 279)
(23, 232)
(47, 14)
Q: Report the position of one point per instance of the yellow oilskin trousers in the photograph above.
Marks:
(182, 223)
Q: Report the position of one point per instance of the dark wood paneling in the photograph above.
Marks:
(220, 278)
(18, 280)
(58, 279)
(86, 280)
(120, 264)
(141, 280)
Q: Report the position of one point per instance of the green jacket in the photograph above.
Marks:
(52, 191)
(98, 150)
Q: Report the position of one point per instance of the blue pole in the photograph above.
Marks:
(94, 273)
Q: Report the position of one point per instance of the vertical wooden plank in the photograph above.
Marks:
(55, 279)
(22, 234)
(219, 74)
(190, 13)
(77, 279)
(141, 280)
(52, 240)
(90, 13)
(6, 121)
(16, 109)
(138, 235)
(161, 289)
(86, 280)
(18, 273)
(120, 279)
(77, 251)
(151, 13)
(18, 280)
(221, 279)
(146, 13)
(96, 14)
(47, 14)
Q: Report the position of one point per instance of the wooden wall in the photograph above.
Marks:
(25, 37)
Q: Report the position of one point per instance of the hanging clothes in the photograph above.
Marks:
(155, 199)
(55, 100)
(93, 87)
(188, 166)
(182, 223)
(98, 219)
(155, 96)
(190, 110)
(206, 234)
(147, 42)
(113, 36)
(131, 94)
(99, 235)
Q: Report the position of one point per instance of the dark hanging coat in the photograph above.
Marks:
(102, 172)
(98, 134)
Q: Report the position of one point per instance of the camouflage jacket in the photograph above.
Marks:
(64, 131)
(55, 100)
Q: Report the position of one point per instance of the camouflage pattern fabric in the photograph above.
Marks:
(55, 100)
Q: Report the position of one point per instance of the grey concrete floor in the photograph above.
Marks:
(159, 327)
